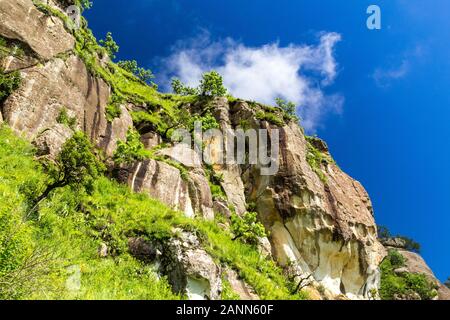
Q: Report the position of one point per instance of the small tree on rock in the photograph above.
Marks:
(76, 166)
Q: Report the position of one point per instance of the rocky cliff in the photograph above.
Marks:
(319, 220)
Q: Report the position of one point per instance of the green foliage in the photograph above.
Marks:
(227, 291)
(76, 166)
(247, 228)
(179, 88)
(73, 224)
(396, 259)
(21, 260)
(317, 159)
(447, 283)
(212, 85)
(113, 109)
(8, 83)
(85, 4)
(270, 117)
(404, 284)
(131, 150)
(288, 107)
(132, 67)
(65, 119)
(110, 45)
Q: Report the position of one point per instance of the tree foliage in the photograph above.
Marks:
(76, 166)
(406, 285)
(179, 88)
(110, 45)
(212, 85)
(247, 228)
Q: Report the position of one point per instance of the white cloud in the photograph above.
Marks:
(384, 77)
(298, 73)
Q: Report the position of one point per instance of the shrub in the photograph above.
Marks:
(131, 150)
(247, 228)
(212, 85)
(269, 117)
(113, 108)
(288, 107)
(396, 259)
(132, 67)
(405, 284)
(8, 83)
(179, 88)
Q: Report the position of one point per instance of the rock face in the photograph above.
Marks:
(189, 269)
(325, 229)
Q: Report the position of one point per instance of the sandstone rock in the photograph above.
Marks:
(45, 35)
(200, 194)
(401, 270)
(190, 269)
(264, 247)
(326, 229)
(46, 90)
(183, 154)
(190, 194)
(11, 63)
(231, 173)
(393, 242)
(242, 289)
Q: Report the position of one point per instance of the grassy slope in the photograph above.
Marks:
(70, 228)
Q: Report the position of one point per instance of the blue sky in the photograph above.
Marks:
(384, 96)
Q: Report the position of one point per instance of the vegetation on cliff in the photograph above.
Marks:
(42, 246)
(400, 284)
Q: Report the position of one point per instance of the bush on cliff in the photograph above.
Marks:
(403, 285)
